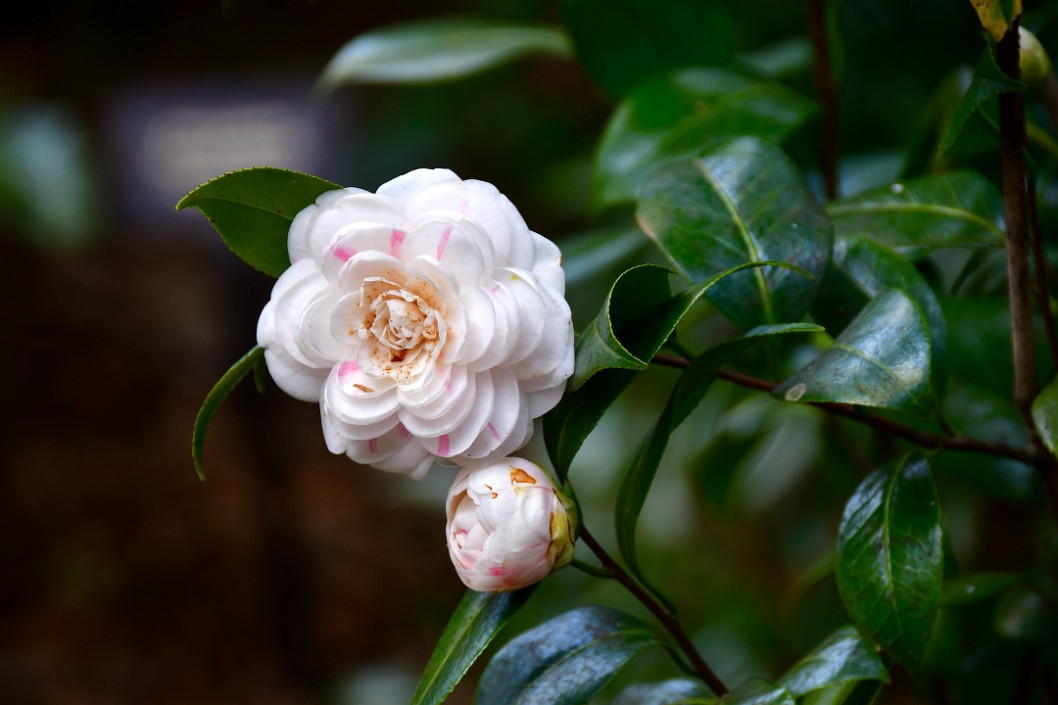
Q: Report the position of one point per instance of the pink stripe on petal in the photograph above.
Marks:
(494, 289)
(442, 445)
(372, 445)
(403, 432)
(465, 206)
(343, 254)
(396, 240)
(347, 368)
(495, 572)
(444, 241)
(494, 431)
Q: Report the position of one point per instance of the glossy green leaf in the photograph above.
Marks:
(881, 360)
(997, 16)
(252, 210)
(621, 42)
(740, 200)
(678, 114)
(959, 209)
(671, 692)
(635, 294)
(784, 59)
(688, 392)
(636, 319)
(217, 394)
(889, 558)
(863, 269)
(566, 660)
(1045, 416)
(851, 693)
(975, 587)
(843, 657)
(439, 49)
(758, 692)
(478, 618)
(987, 83)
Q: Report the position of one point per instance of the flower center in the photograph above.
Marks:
(399, 329)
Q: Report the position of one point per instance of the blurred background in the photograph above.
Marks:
(290, 575)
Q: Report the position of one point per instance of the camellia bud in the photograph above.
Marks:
(508, 526)
(1035, 64)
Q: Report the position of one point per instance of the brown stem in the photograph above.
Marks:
(1029, 455)
(667, 619)
(1012, 143)
(827, 96)
(1043, 297)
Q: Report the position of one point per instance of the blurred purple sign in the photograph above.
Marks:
(164, 139)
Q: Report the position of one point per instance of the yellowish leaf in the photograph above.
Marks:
(994, 15)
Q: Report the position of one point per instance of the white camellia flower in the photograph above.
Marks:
(426, 319)
(507, 526)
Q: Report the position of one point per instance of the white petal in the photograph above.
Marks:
(459, 439)
(439, 426)
(509, 418)
(460, 247)
(354, 397)
(547, 265)
(503, 335)
(406, 185)
(449, 384)
(306, 239)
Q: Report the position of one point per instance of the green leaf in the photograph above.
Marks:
(863, 269)
(636, 319)
(975, 587)
(889, 559)
(881, 360)
(758, 692)
(843, 657)
(439, 49)
(679, 113)
(252, 210)
(621, 42)
(1045, 416)
(566, 660)
(478, 618)
(740, 200)
(688, 392)
(219, 393)
(958, 209)
(671, 692)
(997, 16)
(988, 82)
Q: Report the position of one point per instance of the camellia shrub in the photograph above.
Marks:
(430, 324)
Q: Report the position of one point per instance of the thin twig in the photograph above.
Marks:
(1012, 143)
(667, 619)
(926, 439)
(827, 96)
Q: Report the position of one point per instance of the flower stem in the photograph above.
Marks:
(663, 615)
(1029, 455)
(1012, 143)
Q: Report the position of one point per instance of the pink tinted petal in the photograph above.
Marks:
(312, 229)
(466, 255)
